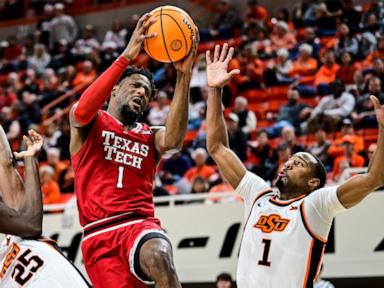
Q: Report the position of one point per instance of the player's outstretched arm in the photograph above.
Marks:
(217, 138)
(99, 91)
(172, 137)
(26, 219)
(358, 187)
(11, 183)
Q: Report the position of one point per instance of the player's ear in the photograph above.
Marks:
(114, 90)
(313, 183)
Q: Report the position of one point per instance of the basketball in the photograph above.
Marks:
(175, 30)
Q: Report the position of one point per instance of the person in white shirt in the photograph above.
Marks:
(26, 258)
(285, 232)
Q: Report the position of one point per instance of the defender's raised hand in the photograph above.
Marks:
(138, 36)
(379, 110)
(217, 68)
(34, 143)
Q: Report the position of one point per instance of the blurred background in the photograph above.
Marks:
(307, 70)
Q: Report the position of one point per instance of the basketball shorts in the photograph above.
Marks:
(111, 250)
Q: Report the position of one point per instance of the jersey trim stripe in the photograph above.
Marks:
(313, 264)
(309, 230)
(279, 202)
(89, 225)
(263, 193)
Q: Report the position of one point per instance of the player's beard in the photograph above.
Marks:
(128, 115)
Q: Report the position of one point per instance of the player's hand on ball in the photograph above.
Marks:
(217, 68)
(185, 65)
(138, 36)
(34, 143)
(379, 110)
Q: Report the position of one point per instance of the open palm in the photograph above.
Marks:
(217, 68)
(34, 143)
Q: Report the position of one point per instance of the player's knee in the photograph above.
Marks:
(157, 258)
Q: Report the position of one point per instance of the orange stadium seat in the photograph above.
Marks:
(255, 95)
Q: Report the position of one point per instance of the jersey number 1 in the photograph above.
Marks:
(267, 245)
(120, 177)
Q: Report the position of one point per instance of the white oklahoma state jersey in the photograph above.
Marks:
(283, 241)
(36, 264)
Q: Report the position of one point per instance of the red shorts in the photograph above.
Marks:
(111, 252)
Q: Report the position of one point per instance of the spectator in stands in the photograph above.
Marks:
(348, 160)
(281, 37)
(49, 187)
(364, 114)
(108, 54)
(223, 22)
(12, 56)
(247, 118)
(346, 42)
(325, 21)
(116, 35)
(44, 25)
(64, 139)
(289, 138)
(350, 15)
(336, 148)
(224, 280)
(303, 13)
(346, 69)
(237, 138)
(370, 152)
(40, 59)
(304, 68)
(320, 148)
(88, 43)
(158, 113)
(327, 73)
(62, 56)
(10, 123)
(29, 110)
(86, 75)
(310, 39)
(332, 109)
(199, 185)
(256, 14)
(368, 40)
(282, 154)
(277, 72)
(378, 52)
(7, 97)
(67, 180)
(63, 27)
(291, 114)
(53, 160)
(262, 151)
(174, 168)
(199, 156)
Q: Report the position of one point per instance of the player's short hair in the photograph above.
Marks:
(143, 71)
(319, 172)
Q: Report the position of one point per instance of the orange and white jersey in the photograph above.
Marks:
(283, 241)
(36, 264)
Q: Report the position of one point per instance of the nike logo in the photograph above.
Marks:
(293, 208)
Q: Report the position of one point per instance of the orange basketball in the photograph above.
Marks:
(175, 30)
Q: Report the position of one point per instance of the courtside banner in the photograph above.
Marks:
(206, 237)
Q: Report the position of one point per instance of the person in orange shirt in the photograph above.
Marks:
(348, 160)
(327, 73)
(336, 149)
(256, 14)
(86, 75)
(53, 160)
(304, 68)
(281, 37)
(378, 53)
(49, 187)
(201, 169)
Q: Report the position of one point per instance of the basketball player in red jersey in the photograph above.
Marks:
(114, 159)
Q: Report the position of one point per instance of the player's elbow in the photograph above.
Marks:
(373, 181)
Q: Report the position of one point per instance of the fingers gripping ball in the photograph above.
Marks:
(175, 31)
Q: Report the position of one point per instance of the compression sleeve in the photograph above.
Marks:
(98, 92)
